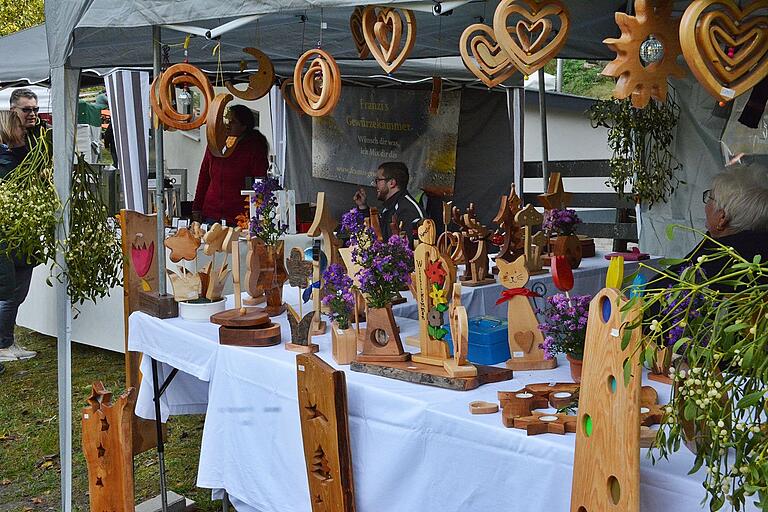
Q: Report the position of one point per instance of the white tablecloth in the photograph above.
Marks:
(414, 447)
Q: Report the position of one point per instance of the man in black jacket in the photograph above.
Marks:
(14, 271)
(391, 184)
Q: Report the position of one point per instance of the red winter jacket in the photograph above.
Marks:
(221, 179)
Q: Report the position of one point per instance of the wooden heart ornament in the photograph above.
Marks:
(356, 28)
(260, 82)
(525, 28)
(383, 29)
(483, 56)
(318, 89)
(524, 340)
(709, 25)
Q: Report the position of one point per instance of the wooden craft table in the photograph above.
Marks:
(413, 447)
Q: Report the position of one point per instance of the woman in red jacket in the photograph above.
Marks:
(221, 179)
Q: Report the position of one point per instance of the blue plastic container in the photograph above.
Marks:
(487, 340)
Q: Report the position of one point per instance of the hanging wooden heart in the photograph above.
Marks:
(483, 56)
(523, 29)
(160, 92)
(216, 128)
(318, 89)
(635, 79)
(383, 29)
(707, 26)
(260, 82)
(356, 28)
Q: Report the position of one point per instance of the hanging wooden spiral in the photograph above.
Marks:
(216, 127)
(318, 90)
(162, 89)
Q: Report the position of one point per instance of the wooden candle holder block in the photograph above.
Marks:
(159, 306)
(544, 423)
(343, 345)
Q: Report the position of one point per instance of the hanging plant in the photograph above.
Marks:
(640, 140)
(92, 247)
(29, 205)
(719, 325)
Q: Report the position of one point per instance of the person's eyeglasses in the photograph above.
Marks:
(707, 196)
(375, 181)
(29, 110)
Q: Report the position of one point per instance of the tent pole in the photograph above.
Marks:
(161, 285)
(64, 83)
(544, 142)
(516, 116)
(159, 173)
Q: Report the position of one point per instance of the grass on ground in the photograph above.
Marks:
(29, 432)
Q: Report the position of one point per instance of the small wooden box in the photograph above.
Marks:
(164, 306)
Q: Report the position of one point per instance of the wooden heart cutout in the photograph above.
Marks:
(701, 34)
(525, 55)
(524, 340)
(383, 31)
(356, 28)
(483, 56)
(317, 90)
(260, 82)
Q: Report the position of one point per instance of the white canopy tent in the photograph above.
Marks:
(84, 34)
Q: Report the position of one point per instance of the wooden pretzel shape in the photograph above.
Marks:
(317, 99)
(161, 101)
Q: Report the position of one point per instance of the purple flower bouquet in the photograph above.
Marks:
(264, 223)
(562, 221)
(565, 325)
(337, 295)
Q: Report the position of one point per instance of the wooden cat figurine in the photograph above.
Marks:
(523, 332)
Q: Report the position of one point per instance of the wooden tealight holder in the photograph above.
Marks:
(107, 445)
(325, 434)
(606, 470)
(546, 423)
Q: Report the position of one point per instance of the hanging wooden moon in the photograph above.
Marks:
(286, 88)
(483, 56)
(318, 89)
(523, 29)
(260, 82)
(162, 102)
(383, 29)
(356, 28)
(707, 26)
(216, 128)
(636, 78)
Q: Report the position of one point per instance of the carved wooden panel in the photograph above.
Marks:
(325, 433)
(606, 469)
(108, 448)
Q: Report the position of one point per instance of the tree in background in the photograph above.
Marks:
(17, 15)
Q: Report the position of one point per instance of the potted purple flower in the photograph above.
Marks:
(266, 259)
(563, 222)
(339, 300)
(564, 327)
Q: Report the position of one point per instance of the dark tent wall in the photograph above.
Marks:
(483, 158)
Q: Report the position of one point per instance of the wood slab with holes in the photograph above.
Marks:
(325, 434)
(107, 445)
(606, 470)
(430, 375)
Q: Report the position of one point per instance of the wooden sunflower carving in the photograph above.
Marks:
(638, 78)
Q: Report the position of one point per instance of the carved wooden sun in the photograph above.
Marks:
(635, 79)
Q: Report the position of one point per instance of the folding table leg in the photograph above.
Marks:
(225, 502)
(160, 443)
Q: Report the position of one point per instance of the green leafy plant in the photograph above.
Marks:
(92, 248)
(640, 140)
(29, 205)
(720, 396)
